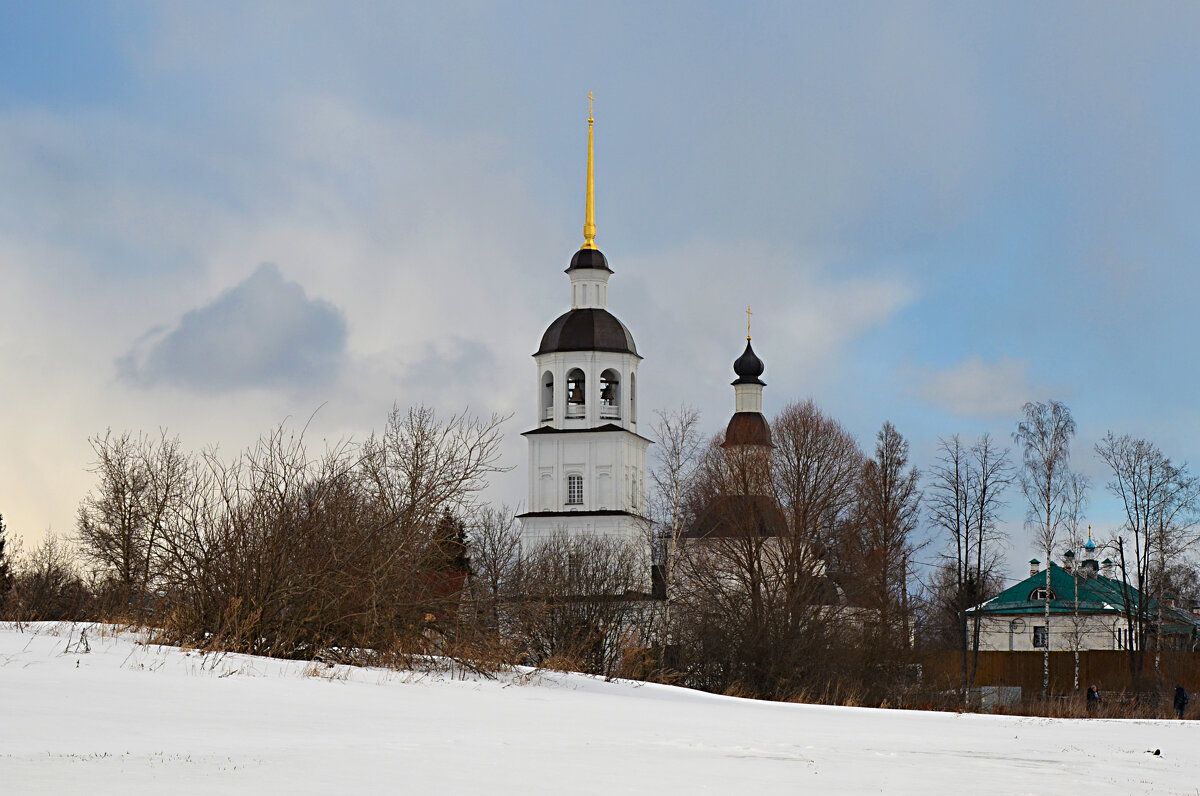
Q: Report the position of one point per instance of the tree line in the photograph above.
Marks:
(799, 571)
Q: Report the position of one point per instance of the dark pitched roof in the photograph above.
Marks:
(587, 330)
(747, 428)
(593, 513)
(739, 515)
(605, 427)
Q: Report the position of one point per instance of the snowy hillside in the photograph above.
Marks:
(131, 718)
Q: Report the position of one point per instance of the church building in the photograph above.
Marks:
(587, 462)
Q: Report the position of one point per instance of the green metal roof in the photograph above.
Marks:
(1097, 595)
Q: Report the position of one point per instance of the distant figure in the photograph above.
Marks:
(1181, 700)
(1093, 698)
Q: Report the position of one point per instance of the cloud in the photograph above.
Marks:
(974, 388)
(265, 332)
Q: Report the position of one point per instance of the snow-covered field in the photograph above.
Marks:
(127, 717)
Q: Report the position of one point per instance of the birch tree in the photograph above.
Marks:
(1044, 435)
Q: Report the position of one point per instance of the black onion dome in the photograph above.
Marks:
(747, 428)
(587, 330)
(749, 367)
(589, 258)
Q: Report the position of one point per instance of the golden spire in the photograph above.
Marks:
(589, 213)
(748, 313)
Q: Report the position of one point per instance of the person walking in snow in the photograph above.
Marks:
(1181, 700)
(1093, 698)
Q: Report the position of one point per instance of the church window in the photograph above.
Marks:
(574, 490)
(610, 395)
(576, 393)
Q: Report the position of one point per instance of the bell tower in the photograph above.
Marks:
(587, 463)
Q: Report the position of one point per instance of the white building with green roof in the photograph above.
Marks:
(1087, 612)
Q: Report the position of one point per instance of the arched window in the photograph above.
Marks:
(576, 393)
(547, 396)
(574, 490)
(610, 395)
(1041, 593)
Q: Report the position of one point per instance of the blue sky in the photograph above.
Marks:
(214, 218)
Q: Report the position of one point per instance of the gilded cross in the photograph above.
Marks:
(748, 313)
(590, 105)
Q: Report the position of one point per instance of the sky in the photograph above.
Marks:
(216, 217)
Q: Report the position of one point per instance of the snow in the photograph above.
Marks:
(129, 716)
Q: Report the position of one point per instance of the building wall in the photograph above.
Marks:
(1089, 632)
(612, 463)
(535, 530)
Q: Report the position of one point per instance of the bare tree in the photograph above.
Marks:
(283, 552)
(755, 607)
(494, 541)
(678, 446)
(420, 467)
(1160, 501)
(120, 522)
(993, 475)
(815, 470)
(48, 585)
(759, 605)
(1044, 435)
(5, 567)
(579, 608)
(964, 497)
(887, 514)
(1077, 499)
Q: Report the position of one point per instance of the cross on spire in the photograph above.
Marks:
(748, 314)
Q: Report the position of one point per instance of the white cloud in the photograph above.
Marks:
(975, 388)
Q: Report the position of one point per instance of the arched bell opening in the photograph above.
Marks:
(547, 397)
(610, 395)
(576, 393)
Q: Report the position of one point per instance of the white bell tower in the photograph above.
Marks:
(587, 463)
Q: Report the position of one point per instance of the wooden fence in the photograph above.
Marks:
(1107, 669)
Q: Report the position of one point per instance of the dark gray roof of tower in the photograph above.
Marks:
(587, 330)
(749, 367)
(589, 258)
(747, 428)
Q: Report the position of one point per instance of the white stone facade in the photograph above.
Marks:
(1067, 633)
(587, 463)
